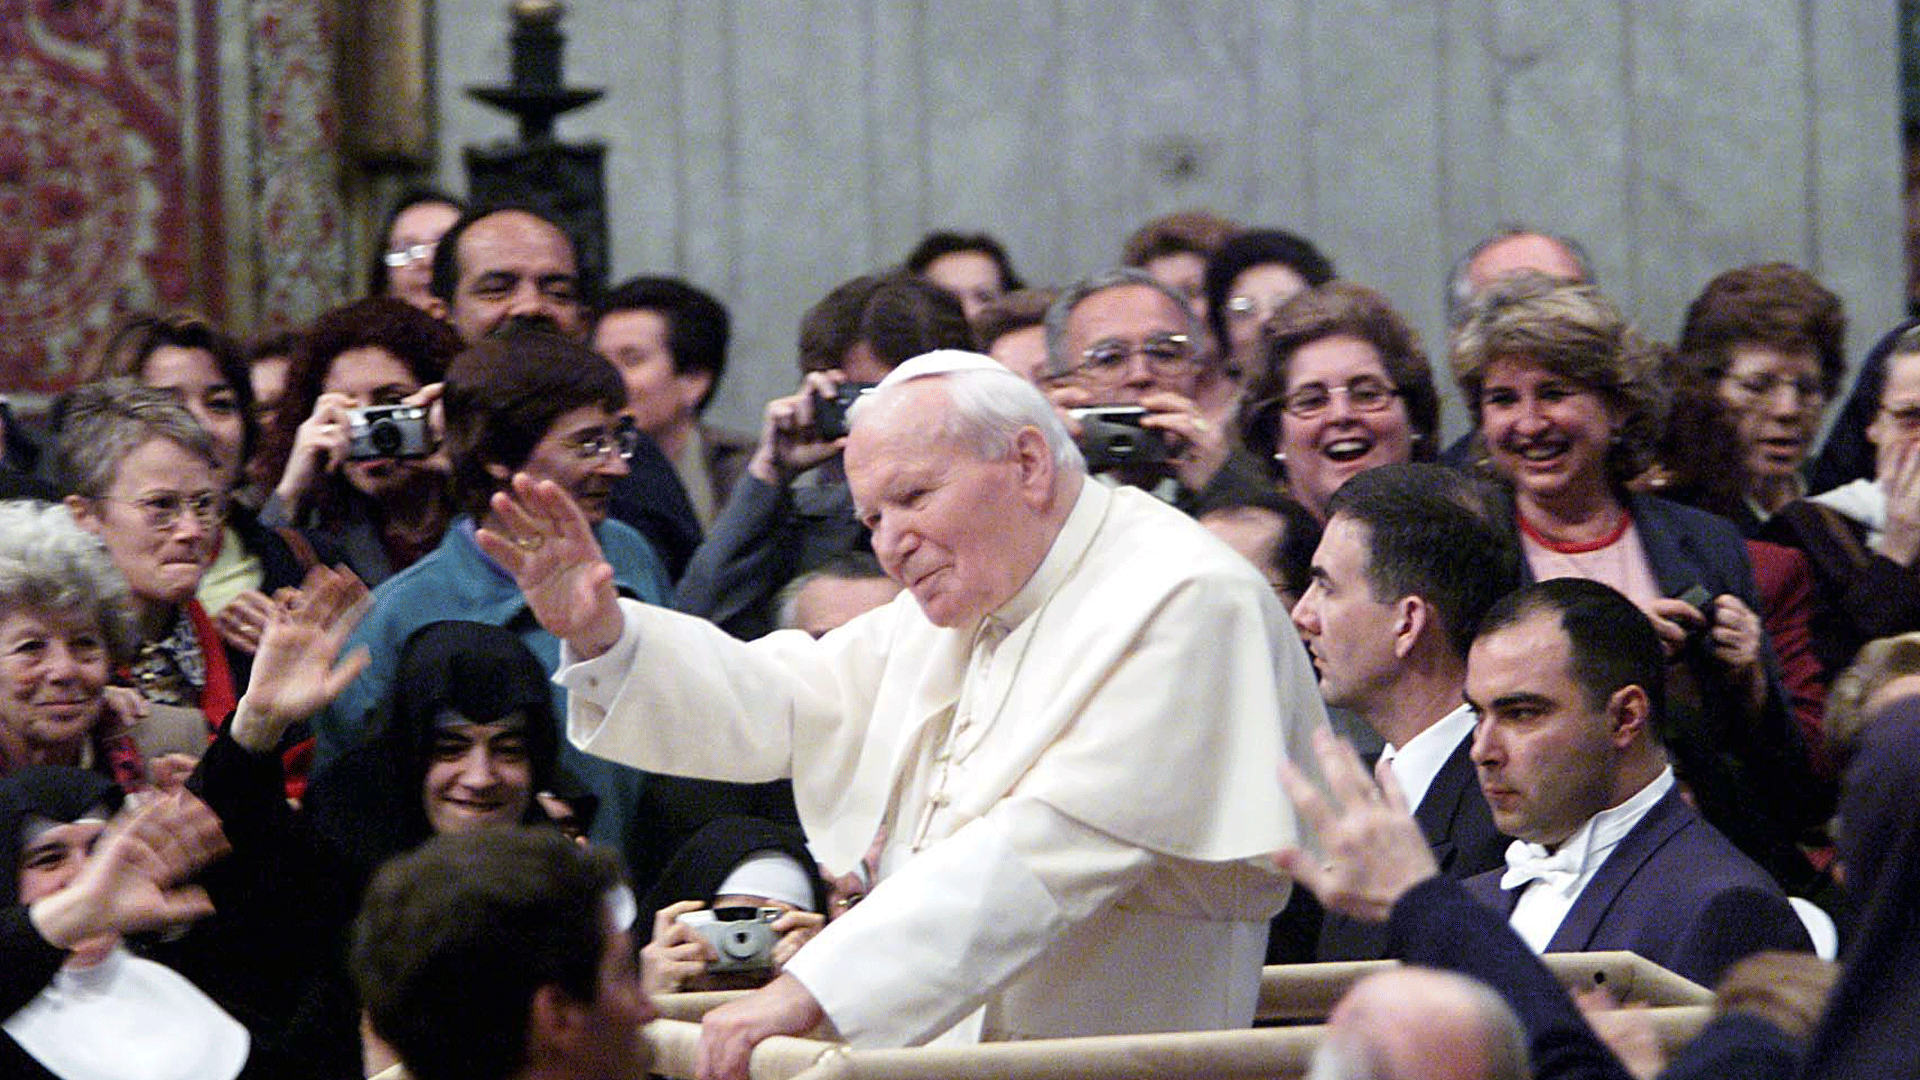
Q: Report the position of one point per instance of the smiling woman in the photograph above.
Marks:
(1570, 402)
(65, 620)
(1346, 389)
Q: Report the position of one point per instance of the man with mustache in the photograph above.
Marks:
(497, 267)
(501, 269)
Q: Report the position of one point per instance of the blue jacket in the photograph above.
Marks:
(458, 581)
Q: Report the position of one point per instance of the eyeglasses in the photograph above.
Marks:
(1364, 394)
(621, 441)
(1167, 355)
(1806, 388)
(408, 255)
(162, 509)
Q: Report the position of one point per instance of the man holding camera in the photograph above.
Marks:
(790, 513)
(1068, 733)
(1123, 359)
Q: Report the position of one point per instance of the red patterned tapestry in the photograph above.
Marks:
(109, 174)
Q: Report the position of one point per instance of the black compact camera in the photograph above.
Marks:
(388, 431)
(1113, 437)
(830, 413)
(742, 937)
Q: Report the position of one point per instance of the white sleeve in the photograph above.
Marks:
(960, 919)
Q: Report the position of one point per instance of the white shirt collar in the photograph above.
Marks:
(1587, 849)
(1417, 763)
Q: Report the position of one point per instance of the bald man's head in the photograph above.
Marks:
(1420, 1024)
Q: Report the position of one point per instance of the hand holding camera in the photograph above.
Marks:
(791, 440)
(696, 948)
(339, 431)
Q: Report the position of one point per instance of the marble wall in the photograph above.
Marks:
(768, 149)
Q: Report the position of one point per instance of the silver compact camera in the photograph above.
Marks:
(388, 431)
(742, 937)
(1113, 436)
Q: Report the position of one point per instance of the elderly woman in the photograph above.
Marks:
(145, 481)
(381, 513)
(189, 357)
(66, 621)
(1569, 402)
(1347, 389)
(1766, 345)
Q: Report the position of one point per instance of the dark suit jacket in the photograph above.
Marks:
(765, 537)
(1453, 816)
(1438, 925)
(1676, 892)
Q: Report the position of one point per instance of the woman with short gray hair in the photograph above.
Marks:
(144, 480)
(66, 621)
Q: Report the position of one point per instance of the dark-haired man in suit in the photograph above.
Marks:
(1567, 679)
(1411, 558)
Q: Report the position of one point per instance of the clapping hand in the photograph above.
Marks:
(297, 670)
(132, 879)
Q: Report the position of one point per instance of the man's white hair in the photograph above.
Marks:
(991, 404)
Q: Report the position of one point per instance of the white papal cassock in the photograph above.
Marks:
(1079, 793)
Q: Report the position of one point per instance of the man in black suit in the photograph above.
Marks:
(1411, 558)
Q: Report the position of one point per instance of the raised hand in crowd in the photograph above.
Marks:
(1371, 850)
(545, 543)
(298, 669)
(789, 444)
(133, 879)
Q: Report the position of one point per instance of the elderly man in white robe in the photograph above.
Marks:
(1067, 726)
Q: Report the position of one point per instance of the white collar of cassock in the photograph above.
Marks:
(1069, 545)
(1568, 868)
(128, 1017)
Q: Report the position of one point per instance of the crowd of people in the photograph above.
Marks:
(936, 687)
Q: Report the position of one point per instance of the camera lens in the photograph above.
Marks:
(385, 437)
(740, 943)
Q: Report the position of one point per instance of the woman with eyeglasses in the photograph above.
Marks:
(1765, 347)
(403, 267)
(380, 512)
(145, 480)
(533, 403)
(203, 368)
(1570, 401)
(1863, 537)
(1347, 389)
